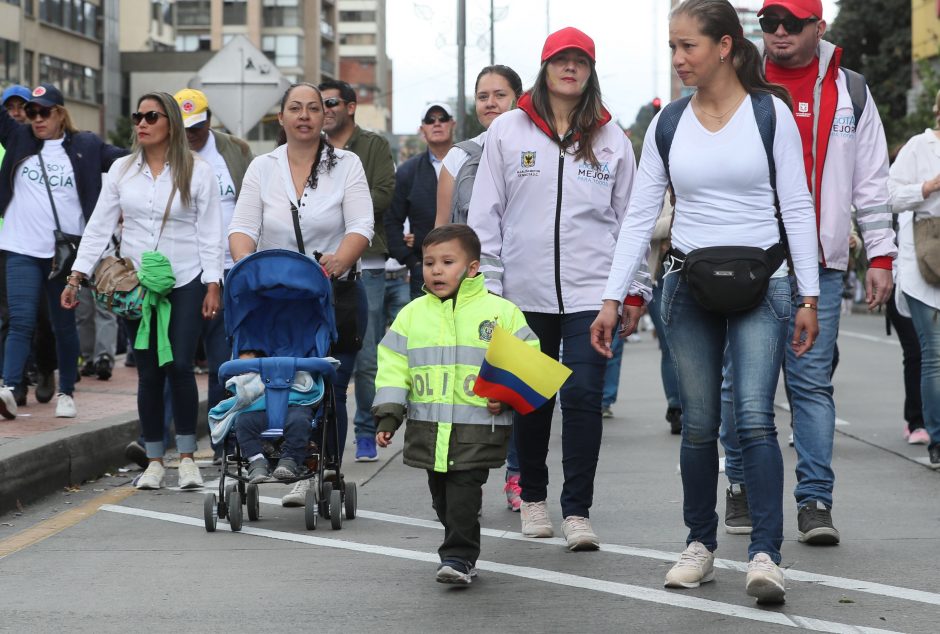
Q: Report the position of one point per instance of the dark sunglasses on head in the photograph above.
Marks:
(791, 24)
(33, 111)
(150, 117)
(332, 102)
(432, 119)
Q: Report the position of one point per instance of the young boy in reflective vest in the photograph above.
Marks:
(427, 364)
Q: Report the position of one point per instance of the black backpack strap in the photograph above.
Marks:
(666, 129)
(766, 116)
(857, 87)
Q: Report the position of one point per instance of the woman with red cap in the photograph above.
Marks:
(548, 200)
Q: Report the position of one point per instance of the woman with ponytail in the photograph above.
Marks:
(719, 169)
(326, 188)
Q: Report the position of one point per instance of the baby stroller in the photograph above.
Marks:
(280, 302)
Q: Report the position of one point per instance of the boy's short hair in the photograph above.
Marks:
(463, 234)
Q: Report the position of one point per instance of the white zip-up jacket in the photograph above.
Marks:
(548, 224)
(854, 170)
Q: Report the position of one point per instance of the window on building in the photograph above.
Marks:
(283, 50)
(9, 61)
(28, 8)
(266, 130)
(190, 43)
(74, 80)
(234, 12)
(192, 12)
(280, 13)
(357, 39)
(28, 67)
(357, 16)
(79, 16)
(16, 2)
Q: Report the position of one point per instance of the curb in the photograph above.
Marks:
(34, 467)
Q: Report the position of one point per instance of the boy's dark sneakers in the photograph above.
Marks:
(674, 418)
(103, 368)
(737, 512)
(258, 471)
(933, 454)
(286, 469)
(814, 521)
(456, 572)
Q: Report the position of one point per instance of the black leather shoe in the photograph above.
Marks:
(88, 369)
(45, 387)
(103, 368)
(19, 394)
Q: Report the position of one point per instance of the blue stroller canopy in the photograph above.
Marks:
(279, 302)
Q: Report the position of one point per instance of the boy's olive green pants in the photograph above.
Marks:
(457, 497)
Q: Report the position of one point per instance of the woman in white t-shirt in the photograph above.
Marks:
(914, 185)
(721, 178)
(496, 91)
(50, 170)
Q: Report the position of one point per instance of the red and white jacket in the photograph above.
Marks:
(548, 223)
(850, 168)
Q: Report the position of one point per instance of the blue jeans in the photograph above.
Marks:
(580, 415)
(26, 281)
(667, 370)
(397, 296)
(928, 333)
(809, 389)
(218, 351)
(344, 372)
(374, 282)
(612, 373)
(756, 341)
(185, 326)
(250, 425)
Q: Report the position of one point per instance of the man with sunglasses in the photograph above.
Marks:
(339, 124)
(415, 197)
(846, 161)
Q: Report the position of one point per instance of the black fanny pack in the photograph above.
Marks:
(728, 280)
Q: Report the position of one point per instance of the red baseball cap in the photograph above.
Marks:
(799, 8)
(568, 37)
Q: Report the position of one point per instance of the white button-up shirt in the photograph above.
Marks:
(340, 204)
(192, 238)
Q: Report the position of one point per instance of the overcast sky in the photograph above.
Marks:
(631, 37)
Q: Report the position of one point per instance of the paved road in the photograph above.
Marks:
(122, 560)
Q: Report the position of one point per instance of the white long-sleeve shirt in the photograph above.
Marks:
(192, 239)
(723, 195)
(918, 161)
(340, 204)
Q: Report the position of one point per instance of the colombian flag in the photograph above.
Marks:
(517, 374)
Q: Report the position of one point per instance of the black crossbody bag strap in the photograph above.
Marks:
(297, 234)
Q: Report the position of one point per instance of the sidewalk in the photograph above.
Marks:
(40, 454)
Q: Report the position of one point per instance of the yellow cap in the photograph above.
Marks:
(194, 105)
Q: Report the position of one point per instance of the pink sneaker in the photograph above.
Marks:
(919, 437)
(513, 491)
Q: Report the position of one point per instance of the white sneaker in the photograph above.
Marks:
(696, 566)
(190, 478)
(152, 478)
(577, 530)
(765, 580)
(298, 494)
(7, 402)
(535, 522)
(65, 407)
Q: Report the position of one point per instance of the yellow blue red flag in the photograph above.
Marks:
(517, 374)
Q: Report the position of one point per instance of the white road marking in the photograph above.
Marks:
(661, 597)
(872, 338)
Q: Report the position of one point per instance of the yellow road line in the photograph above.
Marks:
(62, 521)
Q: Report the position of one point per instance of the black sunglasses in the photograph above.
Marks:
(791, 24)
(33, 111)
(431, 119)
(150, 117)
(332, 102)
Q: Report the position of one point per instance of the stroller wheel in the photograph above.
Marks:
(228, 494)
(235, 511)
(325, 499)
(349, 500)
(336, 509)
(253, 503)
(311, 509)
(210, 512)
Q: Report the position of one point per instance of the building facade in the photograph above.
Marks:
(364, 61)
(62, 42)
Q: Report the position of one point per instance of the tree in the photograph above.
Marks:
(122, 135)
(876, 40)
(637, 131)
